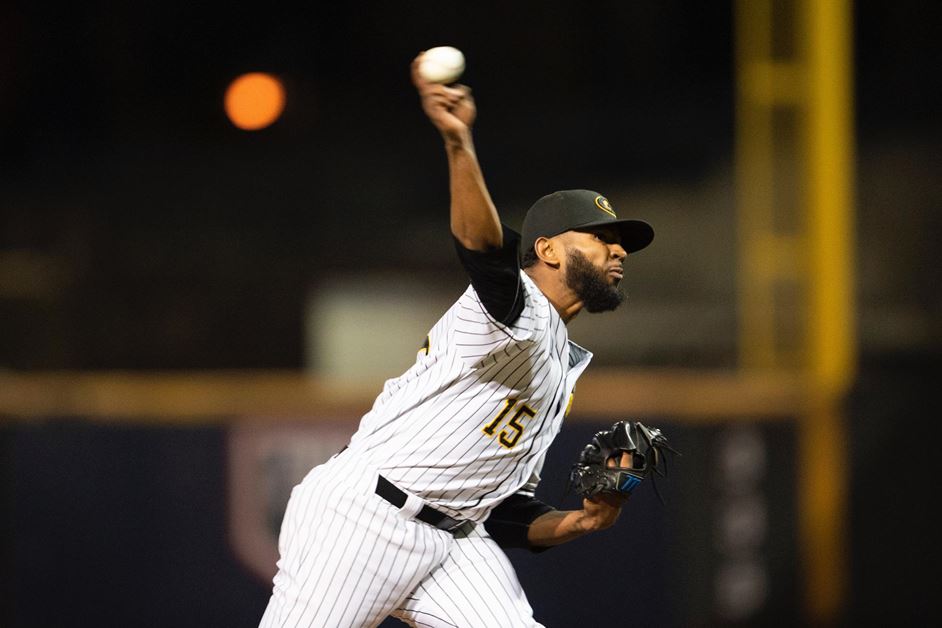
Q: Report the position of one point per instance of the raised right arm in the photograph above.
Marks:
(474, 219)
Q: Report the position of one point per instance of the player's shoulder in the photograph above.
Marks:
(534, 313)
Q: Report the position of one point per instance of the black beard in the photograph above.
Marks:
(591, 284)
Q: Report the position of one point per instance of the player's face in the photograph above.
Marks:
(602, 248)
(594, 267)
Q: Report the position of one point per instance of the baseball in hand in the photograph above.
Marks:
(442, 64)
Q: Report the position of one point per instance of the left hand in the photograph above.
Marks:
(598, 513)
(602, 510)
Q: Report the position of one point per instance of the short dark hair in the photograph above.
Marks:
(529, 258)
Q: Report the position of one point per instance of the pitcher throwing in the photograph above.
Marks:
(409, 519)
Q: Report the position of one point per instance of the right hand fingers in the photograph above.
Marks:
(455, 91)
(416, 78)
(444, 99)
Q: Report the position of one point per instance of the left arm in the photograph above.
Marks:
(524, 521)
(558, 526)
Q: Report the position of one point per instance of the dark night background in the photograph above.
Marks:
(140, 230)
(122, 171)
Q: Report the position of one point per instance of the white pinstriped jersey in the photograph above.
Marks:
(470, 422)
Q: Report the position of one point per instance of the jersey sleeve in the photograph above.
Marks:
(509, 521)
(495, 276)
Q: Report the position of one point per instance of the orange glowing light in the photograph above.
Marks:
(253, 101)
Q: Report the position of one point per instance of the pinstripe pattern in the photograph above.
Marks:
(474, 587)
(349, 558)
(424, 430)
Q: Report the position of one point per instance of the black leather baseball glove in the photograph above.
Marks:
(598, 470)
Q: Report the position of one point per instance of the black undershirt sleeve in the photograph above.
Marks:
(510, 520)
(495, 275)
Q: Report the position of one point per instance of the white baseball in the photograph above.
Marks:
(442, 64)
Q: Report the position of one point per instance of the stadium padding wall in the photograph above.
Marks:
(120, 525)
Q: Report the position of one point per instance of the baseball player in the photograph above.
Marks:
(409, 519)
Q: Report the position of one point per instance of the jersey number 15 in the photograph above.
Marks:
(510, 435)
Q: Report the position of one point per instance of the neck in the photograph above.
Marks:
(567, 304)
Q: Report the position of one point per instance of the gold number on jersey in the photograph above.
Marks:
(510, 435)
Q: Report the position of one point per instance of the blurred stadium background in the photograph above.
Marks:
(191, 314)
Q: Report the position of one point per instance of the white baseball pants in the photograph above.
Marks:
(350, 558)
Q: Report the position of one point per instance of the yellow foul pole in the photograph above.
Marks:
(831, 342)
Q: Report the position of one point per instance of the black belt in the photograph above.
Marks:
(391, 493)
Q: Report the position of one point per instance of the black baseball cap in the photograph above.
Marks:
(575, 210)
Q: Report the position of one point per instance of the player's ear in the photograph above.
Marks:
(548, 250)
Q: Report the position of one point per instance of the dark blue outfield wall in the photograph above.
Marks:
(111, 525)
(120, 526)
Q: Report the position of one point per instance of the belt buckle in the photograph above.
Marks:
(461, 529)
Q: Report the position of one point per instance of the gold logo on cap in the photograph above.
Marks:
(602, 203)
